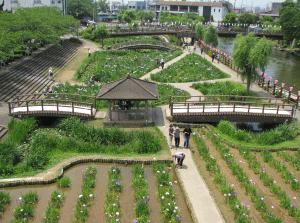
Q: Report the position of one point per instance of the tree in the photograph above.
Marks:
(211, 36)
(248, 18)
(290, 20)
(101, 32)
(200, 31)
(249, 53)
(230, 18)
(267, 18)
(260, 54)
(80, 8)
(102, 5)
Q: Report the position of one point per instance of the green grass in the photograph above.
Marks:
(112, 41)
(223, 88)
(190, 68)
(63, 182)
(246, 139)
(108, 66)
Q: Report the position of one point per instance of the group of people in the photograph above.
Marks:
(213, 56)
(176, 134)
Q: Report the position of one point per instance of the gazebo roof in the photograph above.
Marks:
(129, 88)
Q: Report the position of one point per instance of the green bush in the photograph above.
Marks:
(147, 143)
(19, 131)
(281, 133)
(10, 153)
(37, 158)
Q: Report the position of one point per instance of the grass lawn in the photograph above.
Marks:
(190, 68)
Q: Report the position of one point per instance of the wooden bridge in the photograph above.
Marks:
(184, 32)
(233, 108)
(53, 104)
(144, 44)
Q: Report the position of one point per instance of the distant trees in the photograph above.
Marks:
(200, 31)
(80, 8)
(230, 18)
(127, 16)
(41, 24)
(187, 18)
(290, 20)
(248, 18)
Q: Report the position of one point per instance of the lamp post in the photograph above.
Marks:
(282, 86)
(274, 87)
(290, 92)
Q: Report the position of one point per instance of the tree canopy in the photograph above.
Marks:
(249, 53)
(211, 36)
(80, 8)
(101, 32)
(290, 20)
(248, 18)
(187, 18)
(41, 24)
(230, 18)
(200, 31)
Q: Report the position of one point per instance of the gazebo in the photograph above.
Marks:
(125, 97)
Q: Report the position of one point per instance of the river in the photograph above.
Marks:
(283, 66)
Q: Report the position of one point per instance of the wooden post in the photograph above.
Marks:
(95, 102)
(274, 88)
(170, 101)
(263, 109)
(233, 107)
(277, 109)
(72, 108)
(280, 95)
(109, 110)
(57, 105)
(188, 108)
(146, 110)
(289, 97)
(27, 107)
(268, 86)
(42, 103)
(171, 108)
(91, 109)
(248, 108)
(9, 107)
(218, 108)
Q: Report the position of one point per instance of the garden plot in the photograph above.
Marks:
(189, 69)
(248, 186)
(89, 200)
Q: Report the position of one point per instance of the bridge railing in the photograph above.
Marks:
(246, 102)
(58, 99)
(144, 42)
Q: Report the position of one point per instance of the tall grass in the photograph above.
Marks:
(19, 131)
(4, 200)
(281, 133)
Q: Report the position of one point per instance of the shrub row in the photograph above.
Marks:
(52, 212)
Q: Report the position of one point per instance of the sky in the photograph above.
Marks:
(260, 3)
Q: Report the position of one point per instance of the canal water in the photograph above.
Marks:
(283, 66)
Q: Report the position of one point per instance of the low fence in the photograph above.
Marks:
(143, 43)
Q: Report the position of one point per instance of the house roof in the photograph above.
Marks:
(214, 4)
(129, 88)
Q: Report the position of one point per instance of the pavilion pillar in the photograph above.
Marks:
(109, 110)
(146, 110)
(178, 41)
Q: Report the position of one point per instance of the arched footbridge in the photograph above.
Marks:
(144, 44)
(53, 104)
(215, 108)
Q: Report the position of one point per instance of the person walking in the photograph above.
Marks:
(89, 52)
(50, 73)
(171, 134)
(212, 57)
(180, 157)
(195, 48)
(177, 136)
(162, 63)
(187, 134)
(219, 57)
(201, 49)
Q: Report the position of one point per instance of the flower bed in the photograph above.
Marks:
(52, 212)
(190, 68)
(86, 196)
(26, 208)
(112, 205)
(166, 194)
(109, 66)
(141, 198)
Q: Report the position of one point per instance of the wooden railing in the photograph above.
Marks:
(46, 100)
(248, 102)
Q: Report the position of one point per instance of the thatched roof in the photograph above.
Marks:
(129, 88)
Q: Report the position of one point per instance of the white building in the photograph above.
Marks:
(14, 4)
(206, 9)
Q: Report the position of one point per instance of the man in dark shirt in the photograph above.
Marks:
(187, 134)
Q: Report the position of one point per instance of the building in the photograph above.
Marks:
(136, 5)
(206, 9)
(14, 4)
(274, 11)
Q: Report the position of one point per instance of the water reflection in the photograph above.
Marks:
(283, 66)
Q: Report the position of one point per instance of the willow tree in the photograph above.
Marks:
(242, 47)
(211, 36)
(200, 31)
(261, 53)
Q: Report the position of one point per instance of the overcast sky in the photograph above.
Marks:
(260, 3)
